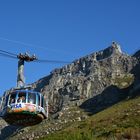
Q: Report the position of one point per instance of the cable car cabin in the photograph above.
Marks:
(23, 107)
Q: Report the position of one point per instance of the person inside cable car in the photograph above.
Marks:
(12, 98)
(21, 97)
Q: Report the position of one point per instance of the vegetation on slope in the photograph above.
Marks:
(121, 121)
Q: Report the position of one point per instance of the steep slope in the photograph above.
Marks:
(119, 122)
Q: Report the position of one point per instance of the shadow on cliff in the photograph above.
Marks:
(8, 131)
(112, 95)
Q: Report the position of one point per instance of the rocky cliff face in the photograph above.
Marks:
(88, 77)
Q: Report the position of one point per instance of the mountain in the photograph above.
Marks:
(94, 75)
(80, 90)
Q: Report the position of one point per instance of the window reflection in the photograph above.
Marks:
(32, 98)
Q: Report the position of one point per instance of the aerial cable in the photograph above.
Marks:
(8, 52)
(51, 61)
(31, 45)
(17, 42)
(7, 55)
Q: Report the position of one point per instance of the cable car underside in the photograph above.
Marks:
(23, 119)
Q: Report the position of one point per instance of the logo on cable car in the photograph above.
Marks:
(16, 106)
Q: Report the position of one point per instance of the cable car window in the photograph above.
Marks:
(42, 101)
(6, 101)
(32, 98)
(21, 97)
(38, 95)
(12, 98)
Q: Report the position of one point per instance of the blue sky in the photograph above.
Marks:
(63, 30)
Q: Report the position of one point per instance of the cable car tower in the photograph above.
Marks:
(22, 58)
(22, 106)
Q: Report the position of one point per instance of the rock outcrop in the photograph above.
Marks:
(88, 77)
